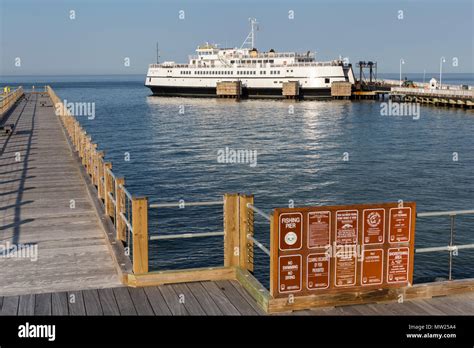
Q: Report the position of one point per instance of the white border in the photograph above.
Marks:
(390, 225)
(279, 232)
(307, 271)
(408, 265)
(301, 274)
(363, 227)
(307, 230)
(335, 273)
(357, 227)
(362, 269)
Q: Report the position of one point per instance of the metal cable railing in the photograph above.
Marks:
(250, 236)
(182, 204)
(452, 248)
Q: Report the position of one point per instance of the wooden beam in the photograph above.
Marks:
(426, 290)
(181, 276)
(140, 234)
(120, 208)
(245, 227)
(273, 259)
(107, 188)
(100, 186)
(231, 230)
(258, 292)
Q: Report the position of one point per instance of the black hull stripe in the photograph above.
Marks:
(246, 92)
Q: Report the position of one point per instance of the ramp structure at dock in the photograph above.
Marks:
(50, 234)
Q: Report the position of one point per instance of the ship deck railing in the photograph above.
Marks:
(191, 66)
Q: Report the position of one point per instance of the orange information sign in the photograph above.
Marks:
(318, 271)
(373, 226)
(347, 226)
(316, 250)
(397, 265)
(289, 273)
(319, 229)
(400, 225)
(345, 270)
(372, 267)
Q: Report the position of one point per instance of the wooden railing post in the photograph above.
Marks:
(76, 136)
(85, 149)
(94, 166)
(82, 145)
(245, 228)
(273, 260)
(100, 165)
(140, 234)
(231, 230)
(91, 169)
(107, 188)
(120, 208)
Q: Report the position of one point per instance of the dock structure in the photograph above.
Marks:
(229, 89)
(341, 90)
(45, 208)
(439, 97)
(60, 197)
(291, 89)
(206, 298)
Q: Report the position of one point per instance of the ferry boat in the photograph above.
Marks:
(260, 74)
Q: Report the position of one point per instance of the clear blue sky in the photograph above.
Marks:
(104, 32)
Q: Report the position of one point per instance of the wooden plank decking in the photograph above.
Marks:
(74, 273)
(36, 190)
(204, 298)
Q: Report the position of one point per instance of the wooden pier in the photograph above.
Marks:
(60, 197)
(44, 203)
(437, 97)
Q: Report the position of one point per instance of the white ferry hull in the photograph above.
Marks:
(313, 81)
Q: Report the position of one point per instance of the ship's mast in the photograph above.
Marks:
(157, 53)
(250, 39)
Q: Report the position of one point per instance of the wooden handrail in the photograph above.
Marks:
(9, 99)
(110, 190)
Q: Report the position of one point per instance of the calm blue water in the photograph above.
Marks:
(173, 156)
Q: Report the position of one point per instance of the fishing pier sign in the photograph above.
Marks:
(339, 249)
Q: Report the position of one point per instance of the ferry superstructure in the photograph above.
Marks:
(261, 74)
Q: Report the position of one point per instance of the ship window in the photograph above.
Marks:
(232, 61)
(326, 80)
(271, 61)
